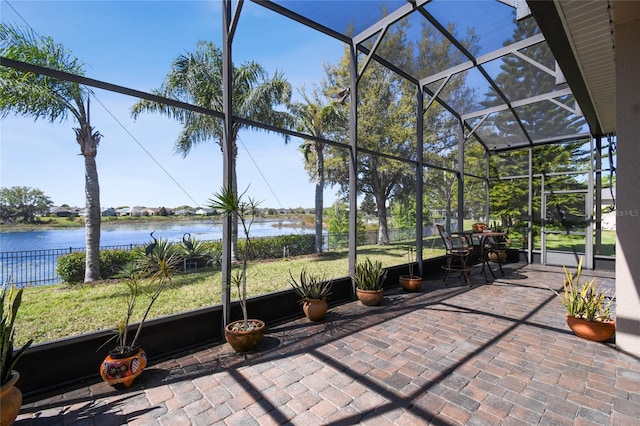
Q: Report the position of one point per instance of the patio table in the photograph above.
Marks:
(484, 252)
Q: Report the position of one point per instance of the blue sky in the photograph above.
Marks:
(132, 43)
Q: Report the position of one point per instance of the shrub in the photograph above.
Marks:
(280, 246)
(70, 267)
(112, 261)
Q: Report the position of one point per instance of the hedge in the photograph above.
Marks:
(279, 247)
(71, 267)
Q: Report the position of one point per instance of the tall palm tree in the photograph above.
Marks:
(38, 96)
(196, 78)
(317, 119)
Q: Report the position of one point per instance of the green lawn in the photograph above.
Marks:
(53, 312)
(57, 311)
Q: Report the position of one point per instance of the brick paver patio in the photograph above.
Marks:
(497, 353)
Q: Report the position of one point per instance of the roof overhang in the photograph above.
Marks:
(581, 36)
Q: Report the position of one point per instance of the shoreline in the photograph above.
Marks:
(302, 220)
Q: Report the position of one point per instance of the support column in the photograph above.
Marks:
(460, 176)
(353, 164)
(227, 158)
(598, 196)
(627, 59)
(530, 211)
(419, 175)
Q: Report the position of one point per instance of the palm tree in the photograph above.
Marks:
(28, 94)
(196, 78)
(319, 120)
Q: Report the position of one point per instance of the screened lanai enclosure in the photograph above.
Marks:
(397, 115)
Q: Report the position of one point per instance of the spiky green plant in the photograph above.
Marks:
(587, 301)
(369, 275)
(310, 286)
(10, 300)
(152, 273)
(246, 210)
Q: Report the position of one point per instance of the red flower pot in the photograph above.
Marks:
(123, 368)
(369, 297)
(10, 400)
(315, 309)
(410, 283)
(244, 340)
(596, 331)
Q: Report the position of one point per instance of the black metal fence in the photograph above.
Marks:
(38, 267)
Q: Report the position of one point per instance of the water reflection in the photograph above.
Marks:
(117, 234)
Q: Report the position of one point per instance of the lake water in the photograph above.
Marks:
(20, 264)
(136, 233)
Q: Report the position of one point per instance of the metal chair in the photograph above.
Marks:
(458, 252)
(494, 249)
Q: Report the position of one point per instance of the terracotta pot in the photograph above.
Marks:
(410, 283)
(244, 340)
(10, 400)
(498, 254)
(591, 330)
(369, 297)
(123, 368)
(315, 309)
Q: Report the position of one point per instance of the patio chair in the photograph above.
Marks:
(493, 249)
(458, 252)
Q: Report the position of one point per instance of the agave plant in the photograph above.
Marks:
(310, 286)
(194, 250)
(369, 275)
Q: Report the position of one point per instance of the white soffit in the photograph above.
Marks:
(589, 28)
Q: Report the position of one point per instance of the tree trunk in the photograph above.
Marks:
(381, 199)
(319, 194)
(89, 145)
(447, 214)
(383, 228)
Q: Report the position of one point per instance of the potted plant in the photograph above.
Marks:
(244, 335)
(10, 395)
(497, 247)
(313, 290)
(410, 282)
(151, 273)
(588, 308)
(368, 279)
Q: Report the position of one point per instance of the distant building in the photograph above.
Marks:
(152, 211)
(129, 211)
(64, 212)
(204, 211)
(109, 212)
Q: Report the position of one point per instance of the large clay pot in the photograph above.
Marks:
(315, 309)
(123, 368)
(498, 255)
(596, 331)
(10, 400)
(244, 340)
(369, 297)
(410, 283)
